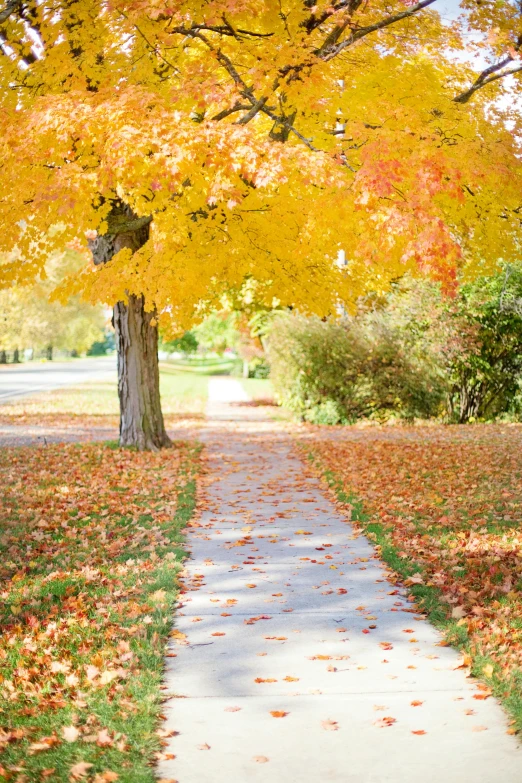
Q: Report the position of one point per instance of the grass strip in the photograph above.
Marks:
(91, 544)
(505, 685)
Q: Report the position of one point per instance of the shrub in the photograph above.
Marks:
(414, 353)
(337, 371)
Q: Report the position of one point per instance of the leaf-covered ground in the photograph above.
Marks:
(444, 506)
(90, 546)
(96, 403)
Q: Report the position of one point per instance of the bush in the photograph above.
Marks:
(258, 368)
(486, 373)
(414, 353)
(187, 343)
(337, 371)
(103, 347)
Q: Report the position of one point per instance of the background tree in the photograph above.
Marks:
(206, 146)
(29, 319)
(486, 376)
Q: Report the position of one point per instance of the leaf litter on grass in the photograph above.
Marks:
(91, 539)
(444, 507)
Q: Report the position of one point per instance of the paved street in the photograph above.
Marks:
(31, 377)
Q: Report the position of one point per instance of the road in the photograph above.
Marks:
(31, 377)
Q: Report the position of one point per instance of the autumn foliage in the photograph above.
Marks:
(255, 140)
(444, 505)
(91, 541)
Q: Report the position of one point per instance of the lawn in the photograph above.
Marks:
(258, 388)
(96, 403)
(444, 507)
(183, 395)
(91, 541)
(204, 366)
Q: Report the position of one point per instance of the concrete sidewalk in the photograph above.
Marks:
(297, 661)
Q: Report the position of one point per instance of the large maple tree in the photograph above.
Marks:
(230, 148)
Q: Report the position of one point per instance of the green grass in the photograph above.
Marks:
(205, 365)
(94, 588)
(258, 388)
(428, 599)
(181, 392)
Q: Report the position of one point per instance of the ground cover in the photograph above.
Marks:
(183, 394)
(258, 388)
(90, 546)
(444, 507)
(205, 366)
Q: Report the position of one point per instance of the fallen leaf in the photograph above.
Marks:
(329, 725)
(260, 759)
(70, 733)
(80, 770)
(458, 612)
(45, 743)
(278, 713)
(104, 739)
(419, 732)
(384, 722)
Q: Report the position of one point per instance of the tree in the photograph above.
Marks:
(485, 377)
(218, 332)
(186, 343)
(231, 147)
(28, 319)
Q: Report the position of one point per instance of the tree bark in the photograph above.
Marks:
(141, 418)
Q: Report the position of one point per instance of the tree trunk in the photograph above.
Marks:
(141, 419)
(49, 353)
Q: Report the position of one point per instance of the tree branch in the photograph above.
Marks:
(364, 31)
(227, 112)
(10, 8)
(488, 76)
(256, 108)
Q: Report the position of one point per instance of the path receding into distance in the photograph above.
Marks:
(294, 659)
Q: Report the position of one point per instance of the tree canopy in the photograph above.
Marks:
(255, 140)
